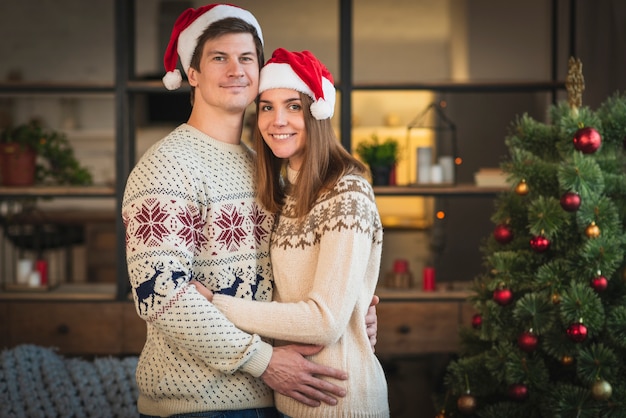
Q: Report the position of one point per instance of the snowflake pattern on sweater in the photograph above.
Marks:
(190, 212)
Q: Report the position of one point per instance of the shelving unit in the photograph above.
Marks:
(124, 91)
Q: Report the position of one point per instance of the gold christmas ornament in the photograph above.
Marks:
(522, 188)
(466, 404)
(592, 231)
(556, 298)
(567, 360)
(601, 390)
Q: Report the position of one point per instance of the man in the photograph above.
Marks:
(190, 213)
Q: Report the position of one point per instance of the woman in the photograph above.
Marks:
(326, 243)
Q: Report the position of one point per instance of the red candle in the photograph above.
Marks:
(42, 267)
(428, 278)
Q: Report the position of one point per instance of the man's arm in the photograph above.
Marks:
(291, 374)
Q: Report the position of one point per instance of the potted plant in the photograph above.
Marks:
(381, 157)
(31, 155)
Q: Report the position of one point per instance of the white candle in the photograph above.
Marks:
(24, 267)
(424, 158)
(447, 165)
(436, 174)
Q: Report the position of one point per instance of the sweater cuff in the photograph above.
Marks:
(258, 363)
(221, 302)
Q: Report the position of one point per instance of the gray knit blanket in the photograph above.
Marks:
(38, 382)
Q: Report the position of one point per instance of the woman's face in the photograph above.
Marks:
(281, 122)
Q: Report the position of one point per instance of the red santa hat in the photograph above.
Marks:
(303, 72)
(188, 28)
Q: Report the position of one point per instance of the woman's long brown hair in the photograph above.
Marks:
(325, 162)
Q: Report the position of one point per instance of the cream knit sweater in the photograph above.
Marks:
(325, 272)
(190, 212)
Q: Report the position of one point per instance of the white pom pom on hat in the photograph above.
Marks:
(303, 72)
(188, 27)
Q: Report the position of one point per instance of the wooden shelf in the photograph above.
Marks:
(57, 191)
(71, 291)
(418, 295)
(470, 190)
(24, 87)
(468, 87)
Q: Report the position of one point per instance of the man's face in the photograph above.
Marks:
(228, 78)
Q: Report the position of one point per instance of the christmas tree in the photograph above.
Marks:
(549, 335)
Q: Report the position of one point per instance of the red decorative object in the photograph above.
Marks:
(599, 283)
(42, 267)
(428, 279)
(477, 321)
(502, 296)
(503, 233)
(587, 140)
(518, 392)
(570, 201)
(527, 341)
(539, 243)
(577, 332)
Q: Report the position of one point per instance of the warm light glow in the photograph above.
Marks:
(458, 161)
(440, 214)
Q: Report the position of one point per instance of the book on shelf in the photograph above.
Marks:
(490, 177)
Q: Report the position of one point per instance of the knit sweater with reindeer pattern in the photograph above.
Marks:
(190, 212)
(325, 270)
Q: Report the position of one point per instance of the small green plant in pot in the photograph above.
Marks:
(31, 155)
(381, 157)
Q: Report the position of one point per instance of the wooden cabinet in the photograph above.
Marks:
(75, 328)
(414, 322)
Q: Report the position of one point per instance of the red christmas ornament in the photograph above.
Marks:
(502, 296)
(539, 243)
(518, 392)
(527, 341)
(503, 234)
(577, 332)
(599, 283)
(587, 140)
(477, 321)
(570, 201)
